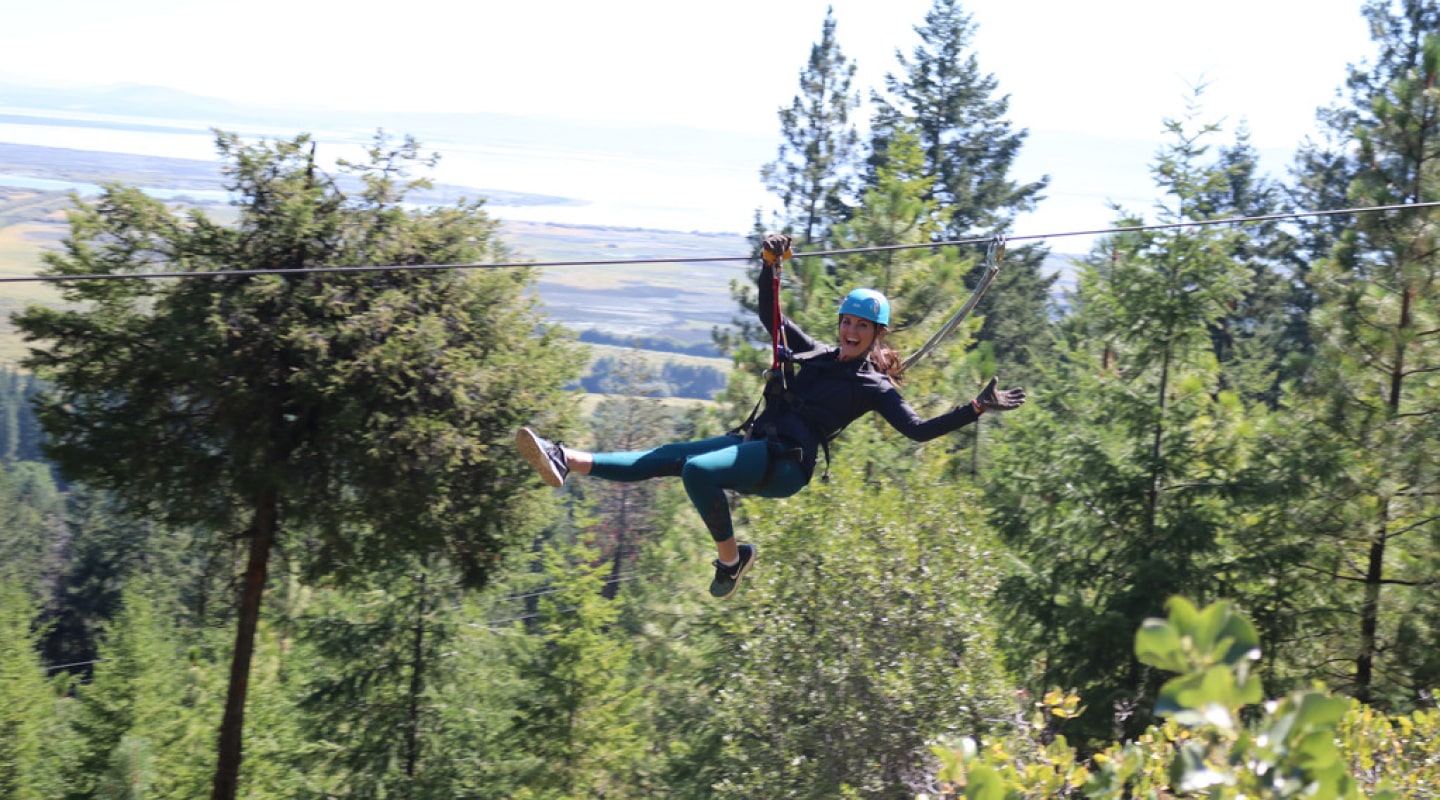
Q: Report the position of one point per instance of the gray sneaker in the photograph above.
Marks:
(727, 578)
(547, 457)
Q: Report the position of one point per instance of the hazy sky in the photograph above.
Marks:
(1105, 68)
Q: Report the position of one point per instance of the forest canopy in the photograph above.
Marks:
(266, 535)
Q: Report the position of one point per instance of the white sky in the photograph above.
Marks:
(1104, 68)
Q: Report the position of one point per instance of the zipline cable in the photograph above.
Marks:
(227, 273)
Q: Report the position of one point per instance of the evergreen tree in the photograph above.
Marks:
(814, 171)
(864, 634)
(383, 655)
(675, 647)
(358, 413)
(896, 211)
(20, 434)
(969, 150)
(1262, 341)
(968, 144)
(142, 718)
(32, 744)
(1362, 420)
(814, 175)
(103, 551)
(30, 523)
(576, 729)
(1116, 493)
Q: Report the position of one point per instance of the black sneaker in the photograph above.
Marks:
(547, 457)
(727, 578)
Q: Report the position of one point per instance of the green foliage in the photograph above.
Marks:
(1360, 419)
(814, 170)
(374, 396)
(576, 730)
(33, 747)
(1132, 483)
(30, 508)
(105, 551)
(969, 146)
(359, 412)
(20, 433)
(150, 707)
(862, 629)
(1217, 742)
(968, 149)
(383, 657)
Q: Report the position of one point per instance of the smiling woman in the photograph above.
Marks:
(774, 454)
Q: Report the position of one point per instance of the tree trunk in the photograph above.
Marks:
(232, 724)
(417, 684)
(1370, 619)
(622, 546)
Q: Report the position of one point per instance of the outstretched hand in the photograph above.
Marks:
(991, 399)
(775, 249)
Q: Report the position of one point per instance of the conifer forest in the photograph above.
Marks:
(264, 532)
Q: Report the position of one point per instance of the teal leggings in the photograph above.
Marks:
(708, 467)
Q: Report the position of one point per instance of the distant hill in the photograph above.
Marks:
(92, 168)
(157, 110)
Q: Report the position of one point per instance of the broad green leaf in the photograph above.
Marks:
(1157, 644)
(985, 784)
(1183, 615)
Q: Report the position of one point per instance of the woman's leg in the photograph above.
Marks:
(739, 468)
(664, 461)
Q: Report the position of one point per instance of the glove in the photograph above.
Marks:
(775, 249)
(1002, 400)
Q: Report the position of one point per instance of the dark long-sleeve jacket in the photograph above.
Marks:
(828, 394)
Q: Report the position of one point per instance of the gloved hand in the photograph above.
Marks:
(1002, 400)
(775, 249)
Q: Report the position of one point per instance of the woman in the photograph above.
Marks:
(776, 455)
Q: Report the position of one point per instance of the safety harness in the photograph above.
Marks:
(779, 380)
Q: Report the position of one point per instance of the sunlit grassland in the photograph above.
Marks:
(653, 359)
(20, 257)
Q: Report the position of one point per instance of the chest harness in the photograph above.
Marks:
(780, 384)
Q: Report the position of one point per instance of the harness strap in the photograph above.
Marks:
(776, 452)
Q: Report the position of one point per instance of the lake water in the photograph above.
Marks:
(709, 192)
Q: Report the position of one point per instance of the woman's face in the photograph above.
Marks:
(856, 336)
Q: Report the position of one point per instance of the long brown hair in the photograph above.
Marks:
(882, 357)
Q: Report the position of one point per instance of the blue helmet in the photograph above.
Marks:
(867, 304)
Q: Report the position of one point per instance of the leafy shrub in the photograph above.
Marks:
(1309, 744)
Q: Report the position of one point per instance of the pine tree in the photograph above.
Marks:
(576, 728)
(30, 521)
(146, 706)
(20, 434)
(813, 172)
(969, 150)
(360, 413)
(103, 552)
(1362, 420)
(383, 654)
(1262, 341)
(32, 745)
(865, 635)
(1116, 492)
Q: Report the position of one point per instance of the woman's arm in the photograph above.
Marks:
(902, 417)
(795, 338)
